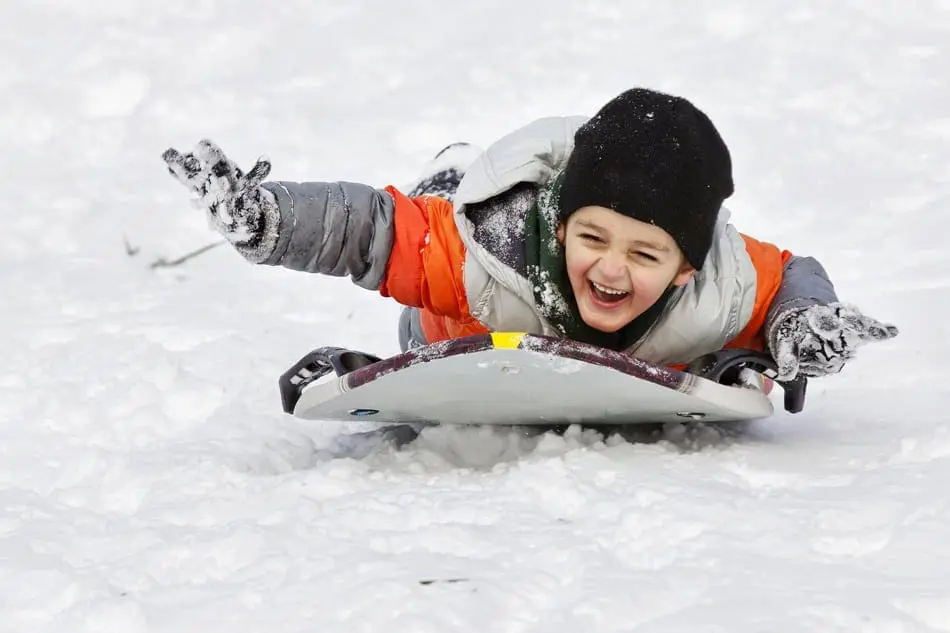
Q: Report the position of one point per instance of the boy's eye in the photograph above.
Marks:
(590, 237)
(647, 256)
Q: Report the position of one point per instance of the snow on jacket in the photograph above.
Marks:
(458, 262)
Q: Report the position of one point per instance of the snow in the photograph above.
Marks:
(149, 482)
(552, 301)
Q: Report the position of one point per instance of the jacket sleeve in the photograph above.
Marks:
(767, 263)
(334, 228)
(804, 283)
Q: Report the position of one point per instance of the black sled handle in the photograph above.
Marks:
(315, 365)
(723, 367)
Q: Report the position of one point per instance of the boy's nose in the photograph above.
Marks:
(612, 266)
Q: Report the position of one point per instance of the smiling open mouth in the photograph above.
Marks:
(606, 294)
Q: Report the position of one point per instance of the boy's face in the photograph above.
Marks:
(618, 267)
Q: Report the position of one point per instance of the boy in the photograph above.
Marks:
(608, 230)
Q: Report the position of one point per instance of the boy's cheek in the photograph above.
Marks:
(576, 266)
(649, 288)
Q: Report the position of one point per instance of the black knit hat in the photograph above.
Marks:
(655, 158)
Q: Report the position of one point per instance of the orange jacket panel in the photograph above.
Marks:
(769, 263)
(426, 267)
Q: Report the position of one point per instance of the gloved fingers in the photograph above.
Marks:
(224, 176)
(825, 368)
(819, 350)
(810, 345)
(847, 324)
(873, 330)
(824, 320)
(210, 154)
(186, 168)
(863, 327)
(821, 339)
(883, 331)
(258, 173)
(786, 358)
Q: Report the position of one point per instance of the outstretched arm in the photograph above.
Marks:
(334, 228)
(405, 248)
(808, 330)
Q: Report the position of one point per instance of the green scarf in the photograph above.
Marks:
(547, 271)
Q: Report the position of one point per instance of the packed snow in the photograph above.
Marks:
(149, 480)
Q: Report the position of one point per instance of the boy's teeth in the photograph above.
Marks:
(607, 290)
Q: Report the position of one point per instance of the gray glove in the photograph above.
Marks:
(818, 340)
(245, 213)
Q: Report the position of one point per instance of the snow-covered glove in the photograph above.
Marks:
(245, 213)
(819, 339)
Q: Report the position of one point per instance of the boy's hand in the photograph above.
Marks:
(243, 212)
(820, 339)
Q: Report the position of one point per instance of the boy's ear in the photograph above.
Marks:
(684, 275)
(559, 233)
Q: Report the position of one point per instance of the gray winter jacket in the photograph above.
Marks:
(348, 229)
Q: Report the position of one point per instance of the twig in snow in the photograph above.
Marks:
(130, 250)
(445, 580)
(161, 262)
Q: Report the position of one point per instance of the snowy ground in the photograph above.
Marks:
(149, 482)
